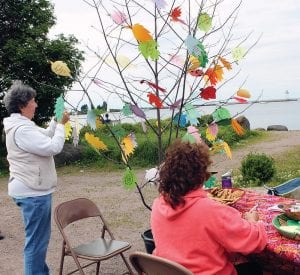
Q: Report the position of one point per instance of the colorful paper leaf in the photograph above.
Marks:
(243, 93)
(181, 121)
(149, 49)
(204, 22)
(208, 93)
(118, 17)
(196, 49)
(240, 100)
(95, 142)
(153, 85)
(227, 149)
(154, 100)
(209, 136)
(192, 114)
(68, 130)
(212, 76)
(137, 111)
(219, 72)
(194, 63)
(195, 133)
(91, 119)
(188, 138)
(213, 128)
(118, 131)
(128, 145)
(140, 33)
(225, 63)
(126, 110)
(237, 127)
(59, 108)
(129, 179)
(175, 15)
(160, 3)
(176, 104)
(60, 68)
(238, 53)
(221, 114)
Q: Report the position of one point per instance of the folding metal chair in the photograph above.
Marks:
(148, 264)
(284, 188)
(94, 251)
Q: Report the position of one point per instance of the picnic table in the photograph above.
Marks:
(281, 255)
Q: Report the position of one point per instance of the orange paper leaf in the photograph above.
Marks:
(219, 72)
(237, 127)
(225, 63)
(140, 33)
(212, 76)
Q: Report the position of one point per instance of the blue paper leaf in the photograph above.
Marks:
(91, 119)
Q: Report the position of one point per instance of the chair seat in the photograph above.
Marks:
(101, 248)
(285, 188)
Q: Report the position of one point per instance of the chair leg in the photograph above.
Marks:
(98, 268)
(127, 264)
(62, 259)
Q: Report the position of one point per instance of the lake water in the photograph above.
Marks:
(260, 115)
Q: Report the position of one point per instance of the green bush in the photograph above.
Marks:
(257, 168)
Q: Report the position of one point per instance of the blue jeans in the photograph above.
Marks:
(36, 213)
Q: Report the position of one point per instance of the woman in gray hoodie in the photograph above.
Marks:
(30, 151)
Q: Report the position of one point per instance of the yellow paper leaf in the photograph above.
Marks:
(194, 63)
(98, 122)
(225, 63)
(209, 135)
(243, 93)
(227, 149)
(68, 130)
(60, 68)
(140, 33)
(95, 141)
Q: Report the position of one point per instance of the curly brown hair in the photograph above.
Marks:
(184, 170)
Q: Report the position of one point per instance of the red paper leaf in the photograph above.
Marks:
(240, 100)
(196, 72)
(154, 99)
(175, 14)
(208, 93)
(153, 85)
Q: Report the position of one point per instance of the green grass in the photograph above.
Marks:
(287, 167)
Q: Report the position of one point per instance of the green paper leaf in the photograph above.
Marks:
(126, 110)
(119, 131)
(149, 49)
(129, 179)
(210, 183)
(238, 53)
(204, 22)
(59, 108)
(189, 138)
(220, 114)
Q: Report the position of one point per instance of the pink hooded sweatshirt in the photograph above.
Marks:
(201, 233)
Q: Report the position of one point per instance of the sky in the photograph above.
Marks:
(270, 69)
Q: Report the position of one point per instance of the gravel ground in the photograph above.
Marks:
(122, 208)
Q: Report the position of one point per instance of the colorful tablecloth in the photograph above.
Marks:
(281, 255)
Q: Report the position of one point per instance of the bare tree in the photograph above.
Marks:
(172, 56)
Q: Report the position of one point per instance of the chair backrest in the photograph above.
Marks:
(152, 265)
(74, 210)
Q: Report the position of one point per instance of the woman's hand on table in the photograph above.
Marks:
(251, 216)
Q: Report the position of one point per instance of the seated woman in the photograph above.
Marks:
(192, 229)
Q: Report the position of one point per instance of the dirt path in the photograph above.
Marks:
(122, 208)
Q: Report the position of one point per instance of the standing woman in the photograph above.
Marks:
(32, 171)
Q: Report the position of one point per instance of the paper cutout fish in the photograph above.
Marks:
(60, 68)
